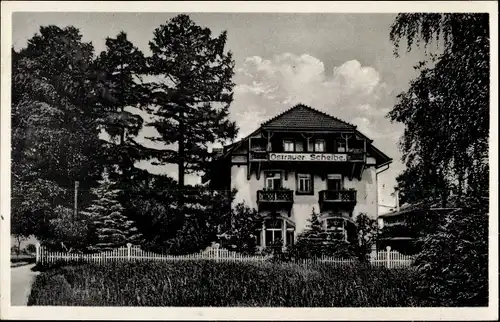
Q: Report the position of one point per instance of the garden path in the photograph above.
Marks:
(21, 279)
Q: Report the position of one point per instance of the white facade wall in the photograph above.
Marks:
(303, 205)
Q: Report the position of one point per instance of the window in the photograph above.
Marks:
(319, 146)
(334, 182)
(274, 231)
(341, 146)
(299, 146)
(273, 180)
(304, 184)
(288, 146)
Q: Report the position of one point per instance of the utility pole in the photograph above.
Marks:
(76, 199)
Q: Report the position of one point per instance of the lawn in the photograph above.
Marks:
(208, 283)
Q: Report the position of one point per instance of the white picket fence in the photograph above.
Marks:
(388, 258)
(131, 252)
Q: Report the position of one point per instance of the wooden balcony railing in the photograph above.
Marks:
(345, 196)
(258, 155)
(272, 196)
(356, 155)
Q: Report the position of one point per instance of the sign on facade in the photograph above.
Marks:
(307, 157)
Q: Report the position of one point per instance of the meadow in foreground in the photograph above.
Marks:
(208, 283)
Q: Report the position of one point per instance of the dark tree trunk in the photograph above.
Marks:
(181, 159)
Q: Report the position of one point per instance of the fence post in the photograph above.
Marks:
(129, 245)
(387, 256)
(37, 246)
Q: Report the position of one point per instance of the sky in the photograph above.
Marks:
(342, 64)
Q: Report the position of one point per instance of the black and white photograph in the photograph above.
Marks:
(185, 158)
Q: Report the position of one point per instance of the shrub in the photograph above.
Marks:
(30, 248)
(14, 250)
(43, 267)
(209, 283)
(68, 232)
(238, 230)
(453, 263)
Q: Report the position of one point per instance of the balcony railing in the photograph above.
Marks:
(258, 155)
(275, 196)
(337, 196)
(356, 155)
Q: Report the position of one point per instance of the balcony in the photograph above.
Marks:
(274, 199)
(337, 198)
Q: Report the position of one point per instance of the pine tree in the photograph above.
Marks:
(112, 227)
(120, 68)
(310, 243)
(192, 94)
(315, 229)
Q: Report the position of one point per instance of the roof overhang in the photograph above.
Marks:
(414, 209)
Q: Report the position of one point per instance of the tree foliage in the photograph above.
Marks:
(192, 92)
(453, 261)
(238, 232)
(445, 147)
(367, 232)
(54, 132)
(113, 228)
(64, 99)
(70, 231)
(120, 69)
(206, 213)
(446, 108)
(317, 241)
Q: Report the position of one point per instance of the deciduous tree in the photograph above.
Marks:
(54, 131)
(446, 108)
(445, 146)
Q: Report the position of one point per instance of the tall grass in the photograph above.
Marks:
(208, 283)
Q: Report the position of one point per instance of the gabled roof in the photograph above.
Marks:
(304, 117)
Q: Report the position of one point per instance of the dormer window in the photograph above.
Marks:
(288, 146)
(341, 146)
(316, 145)
(319, 146)
(299, 146)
